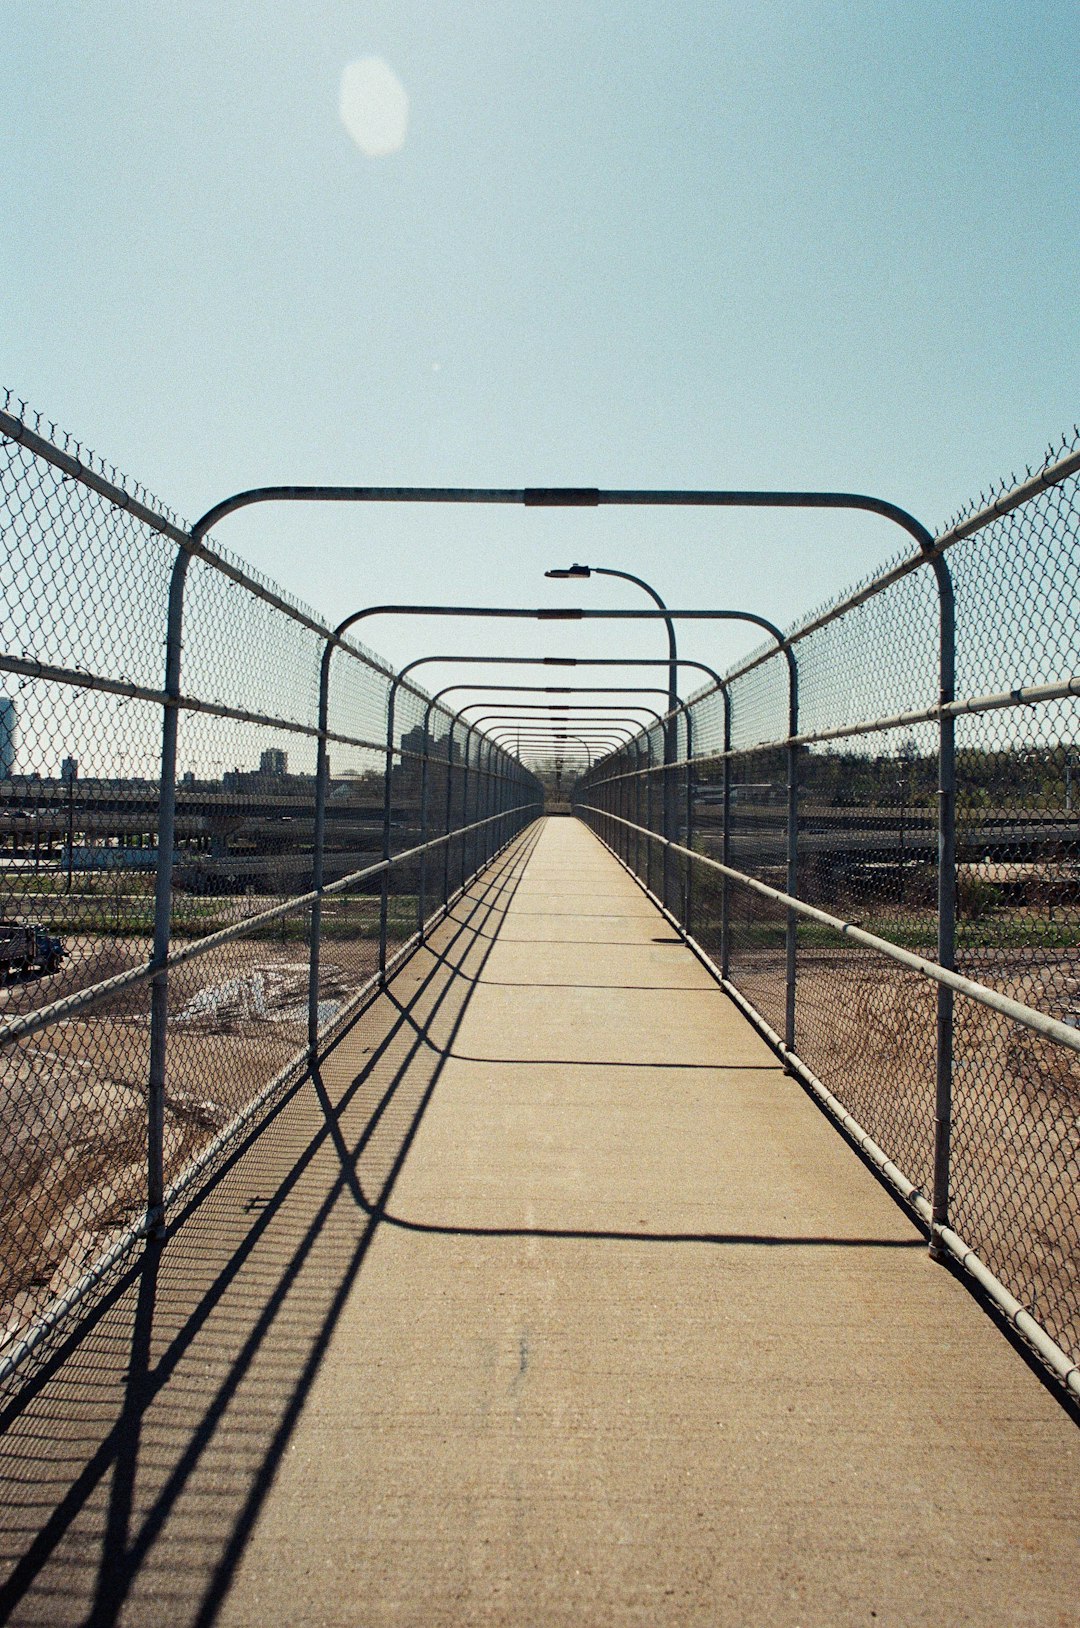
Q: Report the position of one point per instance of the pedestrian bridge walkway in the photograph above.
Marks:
(557, 1301)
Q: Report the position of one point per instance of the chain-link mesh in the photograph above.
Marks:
(85, 578)
(870, 820)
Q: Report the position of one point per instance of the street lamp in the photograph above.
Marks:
(671, 746)
(639, 582)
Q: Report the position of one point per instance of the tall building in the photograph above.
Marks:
(7, 737)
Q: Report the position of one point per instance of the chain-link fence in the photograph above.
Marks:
(220, 823)
(891, 790)
(213, 846)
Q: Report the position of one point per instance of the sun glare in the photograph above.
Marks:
(374, 107)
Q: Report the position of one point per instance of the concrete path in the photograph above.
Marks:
(600, 1323)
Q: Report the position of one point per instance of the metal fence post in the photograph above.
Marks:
(484, 772)
(641, 808)
(667, 808)
(632, 807)
(725, 839)
(507, 791)
(465, 777)
(614, 802)
(318, 850)
(483, 756)
(159, 988)
(448, 811)
(946, 904)
(421, 881)
(483, 792)
(647, 821)
(388, 782)
(688, 864)
(792, 884)
(484, 834)
(492, 828)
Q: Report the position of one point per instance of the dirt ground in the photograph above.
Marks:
(73, 1098)
(869, 1033)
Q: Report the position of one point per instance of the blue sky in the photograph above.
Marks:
(708, 245)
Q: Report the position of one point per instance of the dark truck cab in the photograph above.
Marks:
(28, 947)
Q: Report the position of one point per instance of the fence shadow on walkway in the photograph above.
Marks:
(136, 1463)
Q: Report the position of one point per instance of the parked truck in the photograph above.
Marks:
(28, 947)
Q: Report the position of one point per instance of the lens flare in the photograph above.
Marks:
(374, 107)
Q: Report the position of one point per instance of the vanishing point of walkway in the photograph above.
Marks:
(576, 1310)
